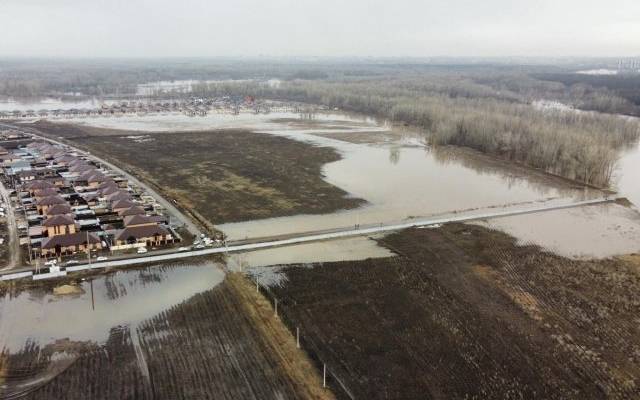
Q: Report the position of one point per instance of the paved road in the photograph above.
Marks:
(307, 238)
(12, 228)
(175, 213)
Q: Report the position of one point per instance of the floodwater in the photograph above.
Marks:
(357, 248)
(401, 178)
(49, 103)
(628, 175)
(587, 232)
(122, 298)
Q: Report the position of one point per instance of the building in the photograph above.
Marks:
(43, 205)
(59, 209)
(60, 224)
(60, 245)
(151, 234)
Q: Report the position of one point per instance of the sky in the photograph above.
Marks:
(333, 28)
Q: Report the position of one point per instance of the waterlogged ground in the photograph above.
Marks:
(401, 178)
(627, 176)
(163, 332)
(120, 298)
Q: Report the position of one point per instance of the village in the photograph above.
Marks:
(70, 209)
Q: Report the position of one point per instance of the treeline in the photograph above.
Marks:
(453, 111)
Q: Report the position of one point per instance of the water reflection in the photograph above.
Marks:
(394, 154)
(627, 176)
(120, 298)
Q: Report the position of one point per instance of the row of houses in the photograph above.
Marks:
(195, 106)
(72, 205)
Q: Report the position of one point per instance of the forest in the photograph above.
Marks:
(458, 110)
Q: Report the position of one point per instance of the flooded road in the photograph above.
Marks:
(122, 298)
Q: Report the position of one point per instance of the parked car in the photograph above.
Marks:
(142, 250)
(72, 262)
(102, 258)
(51, 263)
(183, 249)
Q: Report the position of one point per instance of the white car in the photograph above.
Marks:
(183, 249)
(142, 250)
(102, 258)
(72, 262)
(51, 263)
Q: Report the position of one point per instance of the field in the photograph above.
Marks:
(221, 344)
(222, 176)
(464, 312)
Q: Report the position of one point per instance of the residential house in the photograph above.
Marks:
(44, 204)
(69, 244)
(121, 205)
(149, 234)
(59, 209)
(134, 210)
(60, 225)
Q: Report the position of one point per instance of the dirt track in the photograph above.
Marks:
(463, 312)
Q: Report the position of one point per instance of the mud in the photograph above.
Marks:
(467, 312)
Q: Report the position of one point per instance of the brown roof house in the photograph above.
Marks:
(121, 205)
(32, 186)
(119, 195)
(134, 210)
(59, 209)
(42, 193)
(151, 234)
(44, 204)
(60, 225)
(69, 244)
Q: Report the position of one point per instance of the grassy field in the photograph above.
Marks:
(224, 343)
(224, 176)
(464, 312)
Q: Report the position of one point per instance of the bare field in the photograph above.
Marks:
(220, 344)
(464, 312)
(222, 176)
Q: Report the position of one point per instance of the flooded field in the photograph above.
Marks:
(585, 232)
(628, 175)
(120, 298)
(175, 332)
(401, 178)
(466, 312)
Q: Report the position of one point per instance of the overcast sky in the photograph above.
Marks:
(417, 28)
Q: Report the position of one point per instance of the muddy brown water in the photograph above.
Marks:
(120, 298)
(627, 176)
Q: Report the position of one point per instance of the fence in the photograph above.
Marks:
(330, 375)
